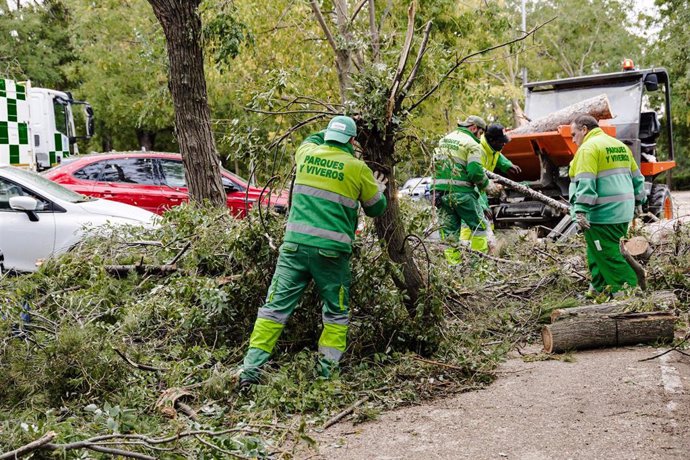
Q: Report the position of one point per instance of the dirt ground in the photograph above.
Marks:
(607, 404)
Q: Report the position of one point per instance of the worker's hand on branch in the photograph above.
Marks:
(515, 169)
(638, 211)
(381, 180)
(494, 189)
(582, 221)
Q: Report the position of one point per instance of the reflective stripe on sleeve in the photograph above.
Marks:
(474, 159)
(584, 199)
(373, 200)
(584, 175)
(453, 182)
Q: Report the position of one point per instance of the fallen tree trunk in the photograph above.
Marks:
(663, 300)
(597, 106)
(597, 331)
(557, 205)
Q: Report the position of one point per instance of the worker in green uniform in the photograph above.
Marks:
(492, 142)
(330, 185)
(458, 181)
(606, 191)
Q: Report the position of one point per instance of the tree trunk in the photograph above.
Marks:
(147, 140)
(519, 116)
(598, 331)
(597, 106)
(182, 27)
(106, 142)
(663, 300)
(343, 57)
(379, 154)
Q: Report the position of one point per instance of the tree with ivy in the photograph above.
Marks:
(381, 83)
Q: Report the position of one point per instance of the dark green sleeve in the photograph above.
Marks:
(475, 173)
(376, 209)
(503, 164)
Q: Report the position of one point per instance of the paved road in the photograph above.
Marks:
(681, 201)
(605, 405)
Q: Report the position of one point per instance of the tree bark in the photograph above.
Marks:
(663, 300)
(597, 106)
(597, 331)
(147, 140)
(557, 205)
(379, 154)
(182, 28)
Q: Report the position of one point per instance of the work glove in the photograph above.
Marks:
(494, 189)
(582, 221)
(638, 211)
(515, 169)
(381, 181)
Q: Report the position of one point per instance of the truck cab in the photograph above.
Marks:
(37, 127)
(640, 101)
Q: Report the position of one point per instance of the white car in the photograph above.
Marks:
(416, 188)
(39, 218)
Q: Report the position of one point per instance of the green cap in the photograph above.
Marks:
(473, 120)
(341, 129)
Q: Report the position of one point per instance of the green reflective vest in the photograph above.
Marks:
(492, 160)
(330, 184)
(605, 181)
(458, 160)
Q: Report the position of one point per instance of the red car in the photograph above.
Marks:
(153, 181)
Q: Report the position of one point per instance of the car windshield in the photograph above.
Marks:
(41, 184)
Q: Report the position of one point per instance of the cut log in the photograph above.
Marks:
(557, 205)
(638, 247)
(597, 106)
(597, 331)
(662, 300)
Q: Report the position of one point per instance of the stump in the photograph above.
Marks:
(638, 247)
(597, 331)
(597, 106)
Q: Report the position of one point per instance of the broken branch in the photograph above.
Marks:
(477, 53)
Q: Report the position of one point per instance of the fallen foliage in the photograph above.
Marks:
(146, 361)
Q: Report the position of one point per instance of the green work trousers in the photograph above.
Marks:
(458, 208)
(608, 267)
(297, 265)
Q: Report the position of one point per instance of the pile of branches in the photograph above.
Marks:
(137, 332)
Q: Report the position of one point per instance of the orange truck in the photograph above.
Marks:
(544, 157)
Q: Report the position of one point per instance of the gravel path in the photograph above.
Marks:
(605, 405)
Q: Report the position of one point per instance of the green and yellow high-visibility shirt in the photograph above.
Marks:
(605, 181)
(330, 184)
(458, 160)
